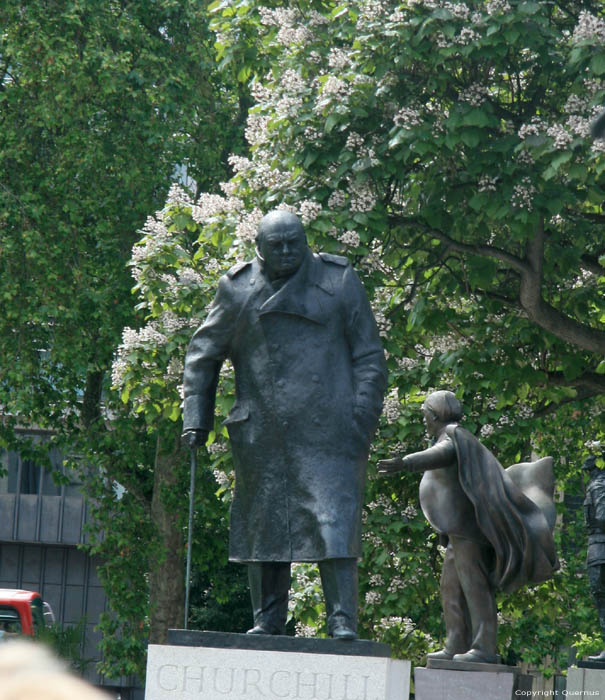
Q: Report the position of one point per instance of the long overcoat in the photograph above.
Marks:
(310, 376)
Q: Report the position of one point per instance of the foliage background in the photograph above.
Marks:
(444, 148)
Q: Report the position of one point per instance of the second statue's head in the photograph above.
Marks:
(441, 408)
(281, 243)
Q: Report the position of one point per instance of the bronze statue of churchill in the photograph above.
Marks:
(310, 377)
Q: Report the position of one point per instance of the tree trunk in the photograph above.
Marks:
(167, 576)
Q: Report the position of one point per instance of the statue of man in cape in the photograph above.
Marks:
(496, 524)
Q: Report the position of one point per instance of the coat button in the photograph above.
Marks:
(285, 424)
(281, 383)
(315, 378)
(316, 421)
(274, 346)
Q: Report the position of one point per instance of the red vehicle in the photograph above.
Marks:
(23, 613)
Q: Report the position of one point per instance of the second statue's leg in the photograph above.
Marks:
(472, 572)
(596, 581)
(455, 611)
(339, 583)
(269, 587)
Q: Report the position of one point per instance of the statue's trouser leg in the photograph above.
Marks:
(596, 582)
(455, 611)
(469, 558)
(339, 583)
(269, 587)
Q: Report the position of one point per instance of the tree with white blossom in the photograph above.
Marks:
(444, 148)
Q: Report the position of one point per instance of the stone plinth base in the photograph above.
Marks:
(586, 682)
(213, 666)
(442, 684)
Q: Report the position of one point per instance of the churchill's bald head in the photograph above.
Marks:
(281, 243)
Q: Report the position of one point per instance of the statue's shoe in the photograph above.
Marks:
(443, 655)
(343, 632)
(477, 656)
(598, 657)
(259, 629)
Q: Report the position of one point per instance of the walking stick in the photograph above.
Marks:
(193, 458)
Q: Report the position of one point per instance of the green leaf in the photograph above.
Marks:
(597, 64)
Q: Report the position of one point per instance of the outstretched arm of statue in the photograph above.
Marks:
(441, 455)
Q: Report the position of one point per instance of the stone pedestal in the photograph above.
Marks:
(586, 682)
(220, 666)
(481, 683)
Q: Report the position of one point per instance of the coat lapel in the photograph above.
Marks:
(300, 296)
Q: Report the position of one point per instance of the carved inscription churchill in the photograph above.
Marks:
(207, 673)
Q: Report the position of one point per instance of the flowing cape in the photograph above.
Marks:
(515, 525)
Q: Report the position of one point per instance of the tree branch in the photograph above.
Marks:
(543, 314)
(485, 251)
(587, 385)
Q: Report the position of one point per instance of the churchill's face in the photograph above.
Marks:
(282, 244)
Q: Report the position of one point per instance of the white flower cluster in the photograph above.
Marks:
(579, 125)
(534, 128)
(475, 95)
(398, 17)
(497, 7)
(362, 198)
(560, 136)
(593, 85)
(247, 227)
(598, 146)
(256, 131)
(290, 81)
(305, 631)
(350, 238)
(261, 92)
(576, 104)
(339, 59)
(312, 134)
(523, 195)
(337, 199)
(188, 277)
(370, 11)
(590, 29)
(309, 210)
(391, 408)
(406, 363)
(373, 598)
(406, 625)
(177, 196)
(395, 584)
(487, 183)
(278, 17)
(406, 118)
(284, 206)
(525, 157)
(409, 512)
(459, 9)
(222, 479)
(155, 237)
(486, 430)
(239, 164)
(174, 371)
(525, 412)
(376, 580)
(354, 141)
(316, 19)
(594, 446)
(207, 206)
(466, 36)
(336, 88)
